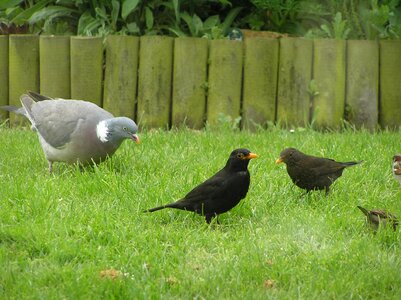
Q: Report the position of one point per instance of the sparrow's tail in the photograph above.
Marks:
(364, 210)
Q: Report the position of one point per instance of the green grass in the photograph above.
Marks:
(58, 232)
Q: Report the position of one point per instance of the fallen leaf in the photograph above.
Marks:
(269, 283)
(110, 273)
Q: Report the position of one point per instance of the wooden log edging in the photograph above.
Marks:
(3, 75)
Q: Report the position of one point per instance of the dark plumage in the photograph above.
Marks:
(311, 172)
(375, 217)
(221, 192)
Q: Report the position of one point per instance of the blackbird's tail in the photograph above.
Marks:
(364, 210)
(352, 163)
(156, 208)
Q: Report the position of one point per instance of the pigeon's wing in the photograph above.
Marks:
(38, 97)
(57, 120)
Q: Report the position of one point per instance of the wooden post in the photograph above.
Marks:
(329, 78)
(154, 82)
(390, 88)
(87, 68)
(189, 82)
(362, 89)
(260, 81)
(23, 70)
(3, 75)
(295, 74)
(121, 75)
(55, 66)
(225, 80)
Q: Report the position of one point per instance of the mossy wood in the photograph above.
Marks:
(328, 87)
(121, 75)
(189, 82)
(23, 70)
(55, 66)
(362, 87)
(154, 82)
(225, 80)
(260, 81)
(87, 68)
(294, 79)
(390, 87)
(3, 75)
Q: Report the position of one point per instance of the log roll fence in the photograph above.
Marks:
(163, 81)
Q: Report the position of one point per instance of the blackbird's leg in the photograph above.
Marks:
(327, 188)
(209, 218)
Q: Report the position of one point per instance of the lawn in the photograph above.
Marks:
(83, 234)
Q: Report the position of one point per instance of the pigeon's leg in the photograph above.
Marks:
(50, 166)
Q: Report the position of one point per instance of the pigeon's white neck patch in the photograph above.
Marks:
(102, 131)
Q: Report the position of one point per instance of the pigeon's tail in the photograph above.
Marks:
(27, 103)
(14, 109)
(38, 97)
(351, 163)
(364, 210)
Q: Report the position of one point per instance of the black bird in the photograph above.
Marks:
(375, 217)
(221, 192)
(311, 172)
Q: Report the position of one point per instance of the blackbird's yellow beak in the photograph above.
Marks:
(279, 160)
(251, 155)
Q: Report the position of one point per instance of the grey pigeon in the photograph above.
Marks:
(74, 131)
(375, 217)
(397, 167)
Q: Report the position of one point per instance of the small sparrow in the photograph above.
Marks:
(397, 167)
(375, 217)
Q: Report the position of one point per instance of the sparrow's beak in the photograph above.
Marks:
(279, 160)
(135, 138)
(252, 155)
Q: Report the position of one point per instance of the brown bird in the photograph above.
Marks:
(311, 172)
(221, 192)
(397, 167)
(379, 217)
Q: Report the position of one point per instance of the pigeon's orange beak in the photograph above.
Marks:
(136, 139)
(279, 160)
(252, 155)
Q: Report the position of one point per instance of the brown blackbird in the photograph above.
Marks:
(397, 167)
(375, 217)
(221, 192)
(311, 172)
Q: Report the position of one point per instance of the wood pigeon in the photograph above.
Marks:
(74, 131)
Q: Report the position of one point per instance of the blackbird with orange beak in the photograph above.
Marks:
(221, 192)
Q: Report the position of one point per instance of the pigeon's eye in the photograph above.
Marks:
(240, 155)
(125, 128)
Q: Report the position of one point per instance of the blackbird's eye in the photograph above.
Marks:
(240, 155)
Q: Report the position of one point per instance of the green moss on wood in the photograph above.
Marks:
(295, 71)
(3, 75)
(189, 82)
(23, 70)
(329, 78)
(87, 68)
(362, 83)
(225, 80)
(55, 66)
(260, 81)
(122, 55)
(390, 88)
(154, 82)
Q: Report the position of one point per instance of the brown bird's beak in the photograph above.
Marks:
(251, 155)
(279, 160)
(136, 139)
